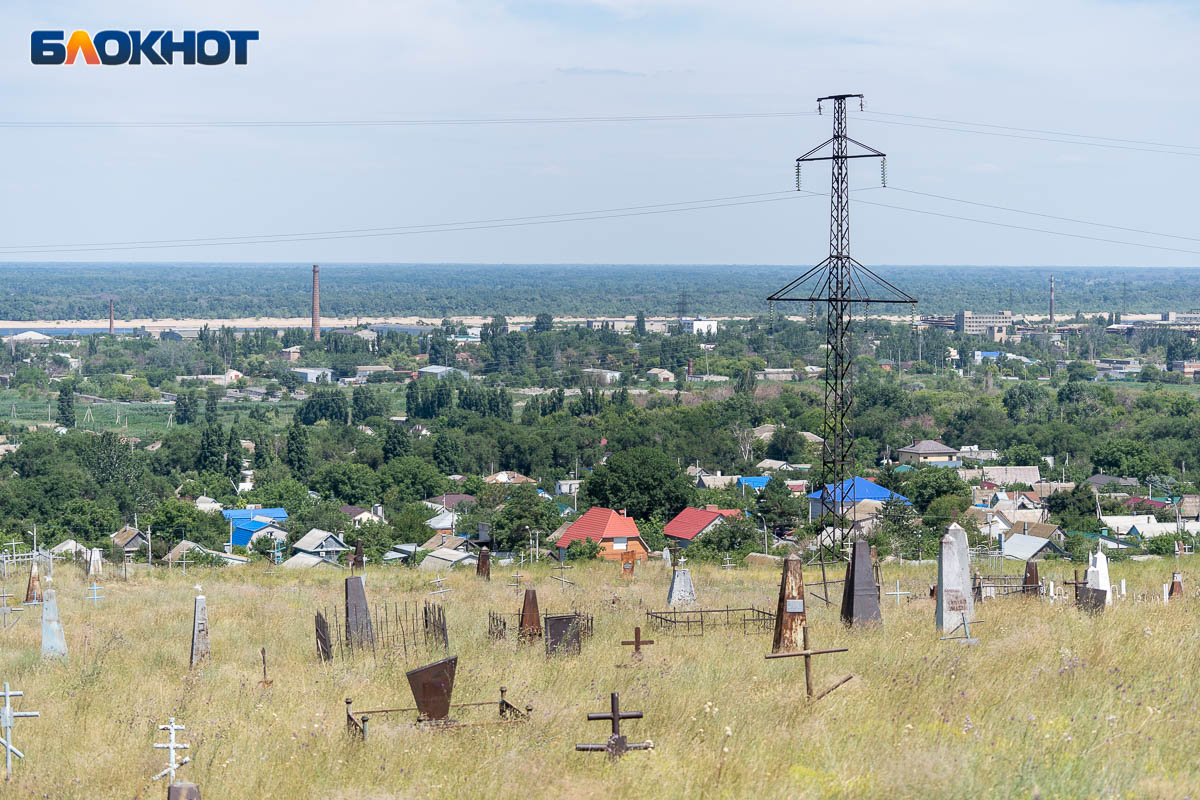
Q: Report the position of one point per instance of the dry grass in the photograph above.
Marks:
(1051, 703)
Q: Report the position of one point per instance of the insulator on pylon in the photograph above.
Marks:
(862, 104)
(883, 170)
(798, 189)
(818, 108)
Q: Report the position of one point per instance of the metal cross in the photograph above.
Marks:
(94, 594)
(516, 579)
(6, 610)
(637, 643)
(441, 589)
(728, 563)
(966, 631)
(807, 653)
(171, 746)
(616, 746)
(897, 593)
(7, 717)
(562, 575)
(183, 561)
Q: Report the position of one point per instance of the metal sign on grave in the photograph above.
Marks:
(432, 687)
(628, 562)
(563, 635)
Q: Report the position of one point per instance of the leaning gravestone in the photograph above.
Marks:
(955, 602)
(358, 615)
(682, 591)
(200, 649)
(860, 595)
(1097, 574)
(54, 644)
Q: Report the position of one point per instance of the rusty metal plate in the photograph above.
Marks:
(563, 635)
(432, 686)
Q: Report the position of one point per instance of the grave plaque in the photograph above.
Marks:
(183, 791)
(1091, 600)
(483, 568)
(562, 635)
(682, 591)
(1032, 583)
(860, 595)
(954, 597)
(1176, 585)
(789, 613)
(530, 626)
(33, 592)
(54, 644)
(432, 686)
(358, 616)
(200, 649)
(628, 562)
(324, 651)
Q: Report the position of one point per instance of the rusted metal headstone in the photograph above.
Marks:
(183, 791)
(324, 651)
(200, 650)
(483, 569)
(1090, 599)
(432, 686)
(33, 592)
(563, 635)
(1033, 582)
(530, 626)
(628, 562)
(617, 745)
(1176, 585)
(637, 643)
(790, 616)
(359, 631)
(358, 560)
(860, 597)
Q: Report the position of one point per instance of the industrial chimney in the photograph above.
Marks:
(316, 310)
(1052, 301)
(110, 317)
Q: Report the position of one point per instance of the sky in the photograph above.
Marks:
(1122, 70)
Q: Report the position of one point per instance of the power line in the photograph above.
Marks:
(407, 230)
(399, 123)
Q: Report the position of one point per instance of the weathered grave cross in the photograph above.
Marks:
(94, 594)
(807, 653)
(516, 579)
(728, 563)
(438, 582)
(617, 745)
(562, 567)
(966, 631)
(897, 593)
(7, 718)
(171, 747)
(637, 643)
(6, 611)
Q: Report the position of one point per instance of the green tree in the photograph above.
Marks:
(326, 402)
(523, 510)
(930, 483)
(777, 505)
(297, 452)
(1023, 455)
(211, 457)
(640, 480)
(396, 442)
(542, 323)
(356, 484)
(66, 404)
(369, 402)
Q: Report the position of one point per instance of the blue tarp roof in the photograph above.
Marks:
(754, 482)
(277, 514)
(244, 529)
(855, 489)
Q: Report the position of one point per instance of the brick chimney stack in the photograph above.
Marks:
(110, 317)
(316, 309)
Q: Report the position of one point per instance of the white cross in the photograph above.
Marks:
(171, 746)
(7, 717)
(438, 583)
(897, 593)
(95, 595)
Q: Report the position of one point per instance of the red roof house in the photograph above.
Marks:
(615, 532)
(691, 522)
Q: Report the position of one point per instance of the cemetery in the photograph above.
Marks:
(252, 683)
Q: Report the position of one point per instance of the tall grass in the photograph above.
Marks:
(1052, 703)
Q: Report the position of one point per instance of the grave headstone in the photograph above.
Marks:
(1176, 585)
(682, 591)
(183, 791)
(432, 687)
(483, 568)
(530, 626)
(790, 615)
(628, 562)
(1097, 574)
(359, 631)
(954, 596)
(33, 592)
(54, 643)
(1032, 582)
(860, 595)
(200, 650)
(563, 635)
(324, 651)
(666, 558)
(95, 567)
(1090, 600)
(358, 560)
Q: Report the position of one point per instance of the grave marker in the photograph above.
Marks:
(183, 791)
(666, 557)
(483, 569)
(563, 635)
(530, 626)
(7, 718)
(955, 599)
(94, 594)
(7, 611)
(637, 643)
(561, 568)
(1090, 600)
(628, 562)
(359, 630)
(1033, 582)
(432, 686)
(358, 560)
(324, 650)
(171, 747)
(1097, 574)
(682, 591)
(33, 592)
(966, 631)
(438, 581)
(516, 580)
(200, 650)
(1176, 584)
(860, 595)
(265, 682)
(54, 643)
(95, 564)
(790, 616)
(807, 653)
(617, 745)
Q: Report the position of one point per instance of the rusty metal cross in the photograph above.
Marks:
(637, 643)
(617, 745)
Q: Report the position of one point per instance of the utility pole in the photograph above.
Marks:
(839, 282)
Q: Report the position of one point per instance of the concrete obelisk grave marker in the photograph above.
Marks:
(54, 643)
(1097, 574)
(200, 650)
(954, 597)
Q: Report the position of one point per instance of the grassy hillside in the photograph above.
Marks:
(1052, 703)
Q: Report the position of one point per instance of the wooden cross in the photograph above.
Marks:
(7, 718)
(171, 747)
(637, 643)
(897, 593)
(807, 653)
(516, 579)
(562, 575)
(617, 745)
(440, 590)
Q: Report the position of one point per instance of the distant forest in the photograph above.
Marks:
(159, 290)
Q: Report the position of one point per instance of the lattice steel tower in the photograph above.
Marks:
(839, 282)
